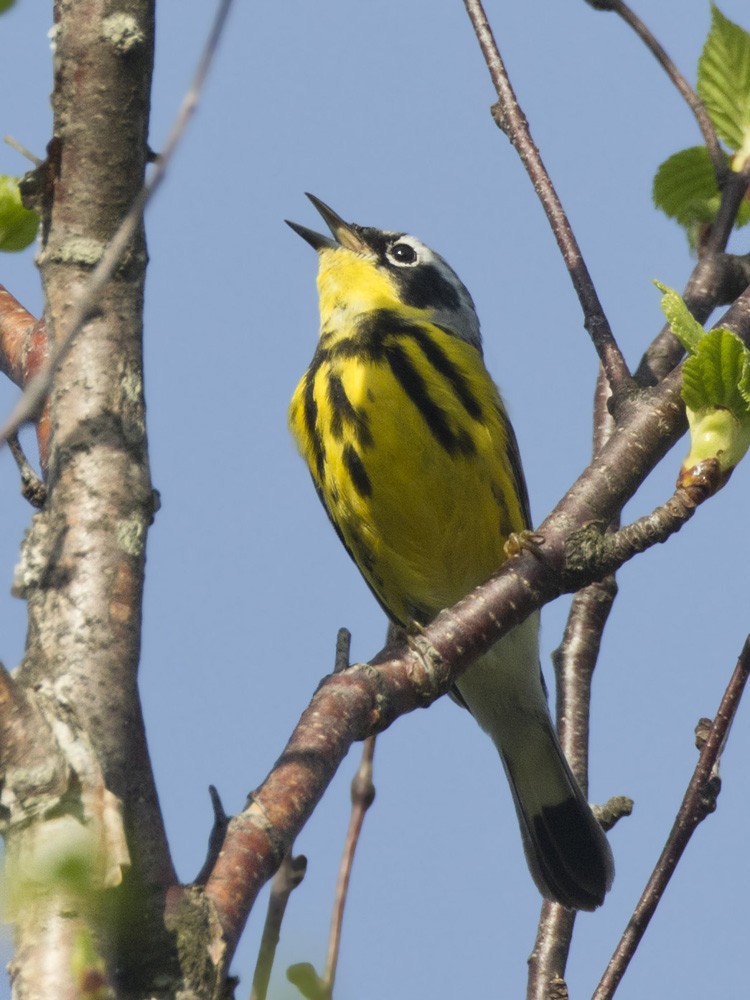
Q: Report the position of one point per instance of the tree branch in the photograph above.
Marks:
(698, 802)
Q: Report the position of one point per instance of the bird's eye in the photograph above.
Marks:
(403, 253)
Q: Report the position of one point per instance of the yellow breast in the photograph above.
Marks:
(411, 452)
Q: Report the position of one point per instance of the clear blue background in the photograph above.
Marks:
(383, 111)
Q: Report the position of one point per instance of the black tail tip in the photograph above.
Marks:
(571, 860)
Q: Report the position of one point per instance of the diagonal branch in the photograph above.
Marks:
(698, 802)
(704, 288)
(365, 699)
(86, 302)
(511, 119)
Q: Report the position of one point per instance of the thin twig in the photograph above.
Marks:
(511, 119)
(285, 881)
(698, 802)
(85, 305)
(696, 105)
(20, 148)
(363, 795)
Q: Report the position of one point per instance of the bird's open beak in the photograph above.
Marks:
(345, 234)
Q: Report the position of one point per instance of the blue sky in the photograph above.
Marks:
(382, 110)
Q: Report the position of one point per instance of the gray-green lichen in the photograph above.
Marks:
(131, 533)
(123, 31)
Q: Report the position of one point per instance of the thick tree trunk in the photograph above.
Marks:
(83, 561)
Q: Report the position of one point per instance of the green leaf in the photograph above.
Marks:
(718, 374)
(684, 325)
(685, 189)
(685, 186)
(724, 79)
(18, 225)
(6, 5)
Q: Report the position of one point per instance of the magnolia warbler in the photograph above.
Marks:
(416, 463)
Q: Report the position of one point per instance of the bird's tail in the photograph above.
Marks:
(566, 849)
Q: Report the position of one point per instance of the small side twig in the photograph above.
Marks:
(698, 802)
(285, 881)
(610, 813)
(343, 650)
(215, 838)
(696, 105)
(32, 487)
(510, 118)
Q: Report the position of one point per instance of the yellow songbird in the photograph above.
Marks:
(415, 460)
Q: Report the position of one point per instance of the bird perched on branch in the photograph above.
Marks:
(415, 460)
